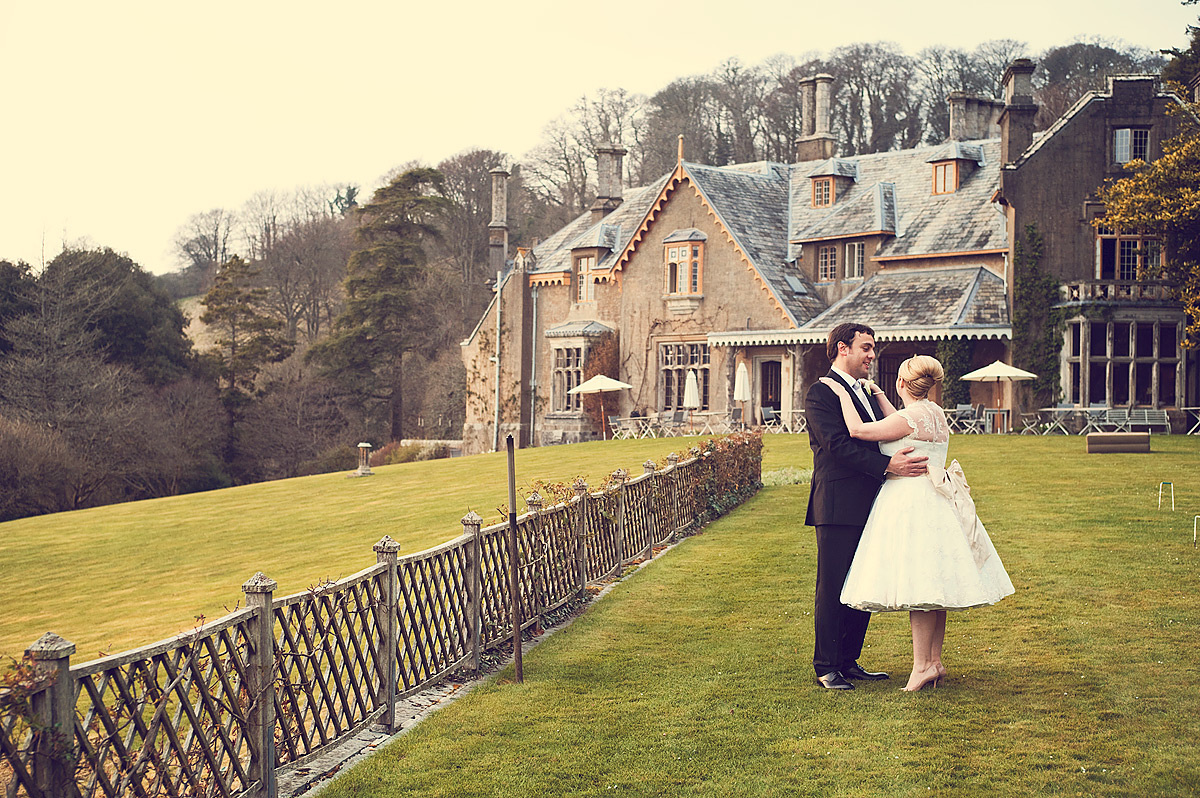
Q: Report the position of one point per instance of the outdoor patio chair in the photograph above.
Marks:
(672, 423)
(770, 420)
(1031, 423)
(735, 418)
(1094, 417)
(621, 429)
(968, 420)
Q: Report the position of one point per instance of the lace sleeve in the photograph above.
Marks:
(927, 421)
(907, 415)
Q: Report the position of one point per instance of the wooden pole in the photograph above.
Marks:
(513, 564)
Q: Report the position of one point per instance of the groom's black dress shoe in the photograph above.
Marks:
(855, 671)
(834, 681)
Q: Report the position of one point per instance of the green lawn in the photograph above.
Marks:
(117, 577)
(694, 676)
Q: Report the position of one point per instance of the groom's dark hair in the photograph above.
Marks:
(844, 334)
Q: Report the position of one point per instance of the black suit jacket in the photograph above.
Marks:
(847, 472)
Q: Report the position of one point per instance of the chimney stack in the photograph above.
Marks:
(609, 188)
(498, 227)
(972, 117)
(1016, 121)
(816, 142)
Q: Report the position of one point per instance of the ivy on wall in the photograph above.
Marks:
(603, 357)
(955, 356)
(1037, 323)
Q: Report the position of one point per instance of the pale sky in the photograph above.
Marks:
(119, 120)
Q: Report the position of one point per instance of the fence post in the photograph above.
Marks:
(537, 552)
(581, 492)
(54, 710)
(655, 483)
(387, 551)
(260, 672)
(471, 522)
(673, 491)
(621, 475)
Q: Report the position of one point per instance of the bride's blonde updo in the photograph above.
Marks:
(921, 373)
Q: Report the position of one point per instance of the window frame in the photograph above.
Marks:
(1124, 359)
(1130, 144)
(823, 192)
(827, 263)
(675, 360)
(1148, 253)
(585, 286)
(566, 372)
(683, 268)
(945, 177)
(859, 248)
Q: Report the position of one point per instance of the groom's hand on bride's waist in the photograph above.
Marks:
(904, 466)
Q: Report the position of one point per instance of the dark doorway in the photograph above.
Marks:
(770, 384)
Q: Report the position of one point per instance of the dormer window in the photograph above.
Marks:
(822, 192)
(945, 177)
(585, 285)
(683, 256)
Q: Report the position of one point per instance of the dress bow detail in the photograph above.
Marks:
(952, 483)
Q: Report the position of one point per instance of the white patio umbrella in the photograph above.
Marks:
(741, 387)
(691, 395)
(998, 372)
(600, 384)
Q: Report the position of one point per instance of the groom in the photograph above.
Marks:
(847, 473)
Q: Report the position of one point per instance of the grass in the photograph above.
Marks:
(116, 577)
(694, 676)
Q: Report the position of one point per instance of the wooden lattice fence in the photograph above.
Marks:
(218, 710)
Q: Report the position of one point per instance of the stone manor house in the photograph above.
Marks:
(711, 267)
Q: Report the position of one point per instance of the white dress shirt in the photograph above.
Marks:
(856, 390)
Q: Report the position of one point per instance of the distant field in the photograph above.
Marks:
(117, 577)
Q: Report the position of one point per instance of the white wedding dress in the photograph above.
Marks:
(923, 547)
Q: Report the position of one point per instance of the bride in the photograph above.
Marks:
(923, 549)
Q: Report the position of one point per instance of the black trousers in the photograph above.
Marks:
(839, 629)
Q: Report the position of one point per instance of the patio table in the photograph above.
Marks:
(1057, 415)
(1194, 412)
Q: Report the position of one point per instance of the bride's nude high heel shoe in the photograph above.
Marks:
(929, 680)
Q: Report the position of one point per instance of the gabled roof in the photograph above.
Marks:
(923, 223)
(751, 207)
(612, 232)
(1082, 103)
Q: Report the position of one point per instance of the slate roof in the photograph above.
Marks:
(925, 223)
(586, 328)
(767, 208)
(923, 298)
(611, 233)
(752, 206)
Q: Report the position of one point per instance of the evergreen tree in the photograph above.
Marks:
(249, 337)
(384, 316)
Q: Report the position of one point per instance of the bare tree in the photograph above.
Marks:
(874, 107)
(203, 242)
(993, 58)
(1066, 73)
(739, 92)
(943, 70)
